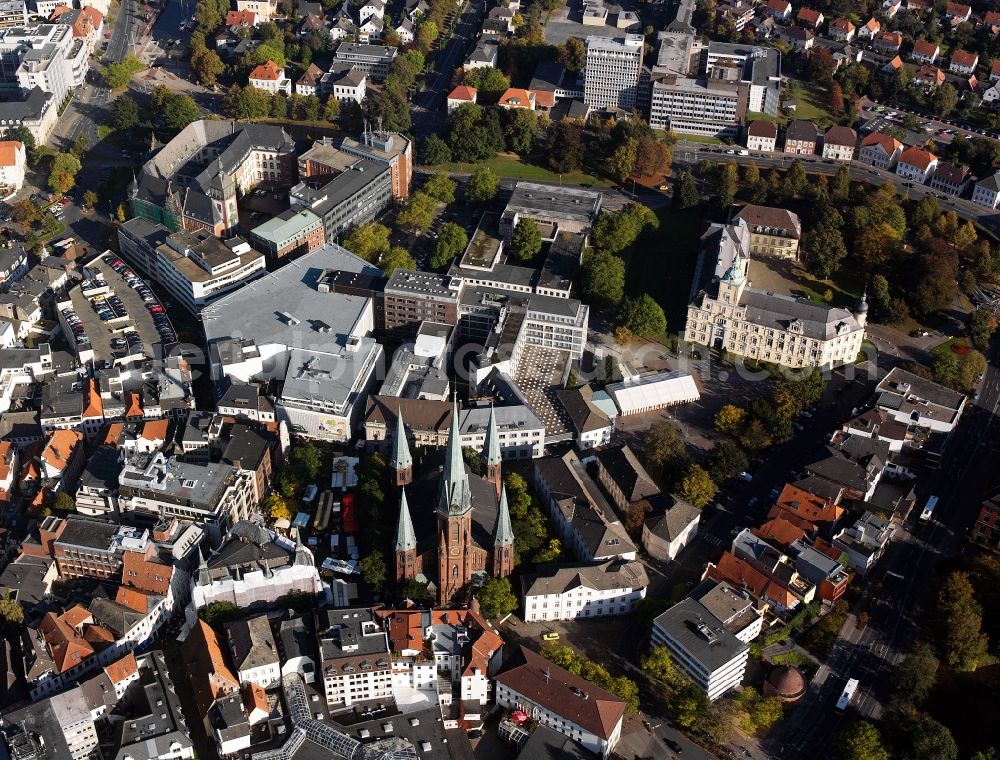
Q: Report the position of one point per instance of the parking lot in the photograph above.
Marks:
(118, 313)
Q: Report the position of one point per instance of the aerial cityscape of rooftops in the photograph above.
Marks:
(499, 379)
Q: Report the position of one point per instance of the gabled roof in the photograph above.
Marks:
(963, 58)
(930, 73)
(562, 693)
(887, 143)
(740, 573)
(241, 18)
(917, 157)
(122, 669)
(959, 10)
(800, 129)
(517, 97)
(809, 15)
(763, 128)
(59, 447)
(842, 25)
(146, 573)
(951, 174)
(803, 508)
(925, 48)
(838, 135)
(268, 72)
(780, 531)
(311, 76)
(873, 25)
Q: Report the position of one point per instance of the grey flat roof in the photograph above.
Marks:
(255, 310)
(693, 628)
(424, 283)
(569, 202)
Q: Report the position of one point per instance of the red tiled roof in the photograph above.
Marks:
(963, 58)
(842, 25)
(93, 406)
(240, 18)
(733, 569)
(517, 98)
(801, 507)
(267, 72)
(779, 531)
(145, 573)
(925, 48)
(463, 92)
(210, 676)
(917, 157)
(64, 645)
(122, 669)
(808, 15)
(888, 143)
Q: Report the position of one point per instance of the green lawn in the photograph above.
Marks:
(662, 262)
(757, 116)
(811, 103)
(846, 286)
(508, 165)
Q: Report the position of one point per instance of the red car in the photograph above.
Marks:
(64, 201)
(156, 308)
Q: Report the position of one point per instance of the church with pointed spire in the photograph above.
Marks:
(459, 530)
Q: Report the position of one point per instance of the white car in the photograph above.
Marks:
(746, 477)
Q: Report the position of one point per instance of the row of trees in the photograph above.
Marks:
(908, 251)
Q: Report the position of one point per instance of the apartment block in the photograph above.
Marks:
(612, 71)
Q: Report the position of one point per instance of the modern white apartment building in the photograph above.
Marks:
(709, 107)
(195, 267)
(612, 70)
(701, 645)
(569, 592)
(356, 664)
(46, 56)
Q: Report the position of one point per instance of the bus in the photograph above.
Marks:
(928, 512)
(847, 695)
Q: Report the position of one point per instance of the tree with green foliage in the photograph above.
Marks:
(397, 258)
(945, 99)
(427, 33)
(621, 162)
(860, 741)
(520, 130)
(642, 316)
(206, 65)
(496, 598)
(64, 502)
(217, 614)
(982, 325)
(518, 495)
(726, 460)
(415, 591)
(331, 108)
(917, 736)
(959, 621)
(440, 187)
(261, 54)
(727, 184)
(697, 487)
(824, 248)
(418, 213)
(615, 231)
(307, 459)
(369, 241)
(526, 240)
(566, 147)
(482, 186)
(796, 180)
(374, 571)
(573, 55)
(914, 678)
(436, 151)
(389, 108)
(117, 75)
(452, 240)
(247, 103)
(180, 110)
(686, 191)
(90, 199)
(62, 175)
(603, 278)
(23, 135)
(125, 112)
(474, 134)
(489, 81)
(549, 553)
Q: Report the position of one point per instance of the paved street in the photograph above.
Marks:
(687, 154)
(427, 109)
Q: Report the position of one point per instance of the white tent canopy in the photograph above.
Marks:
(655, 391)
